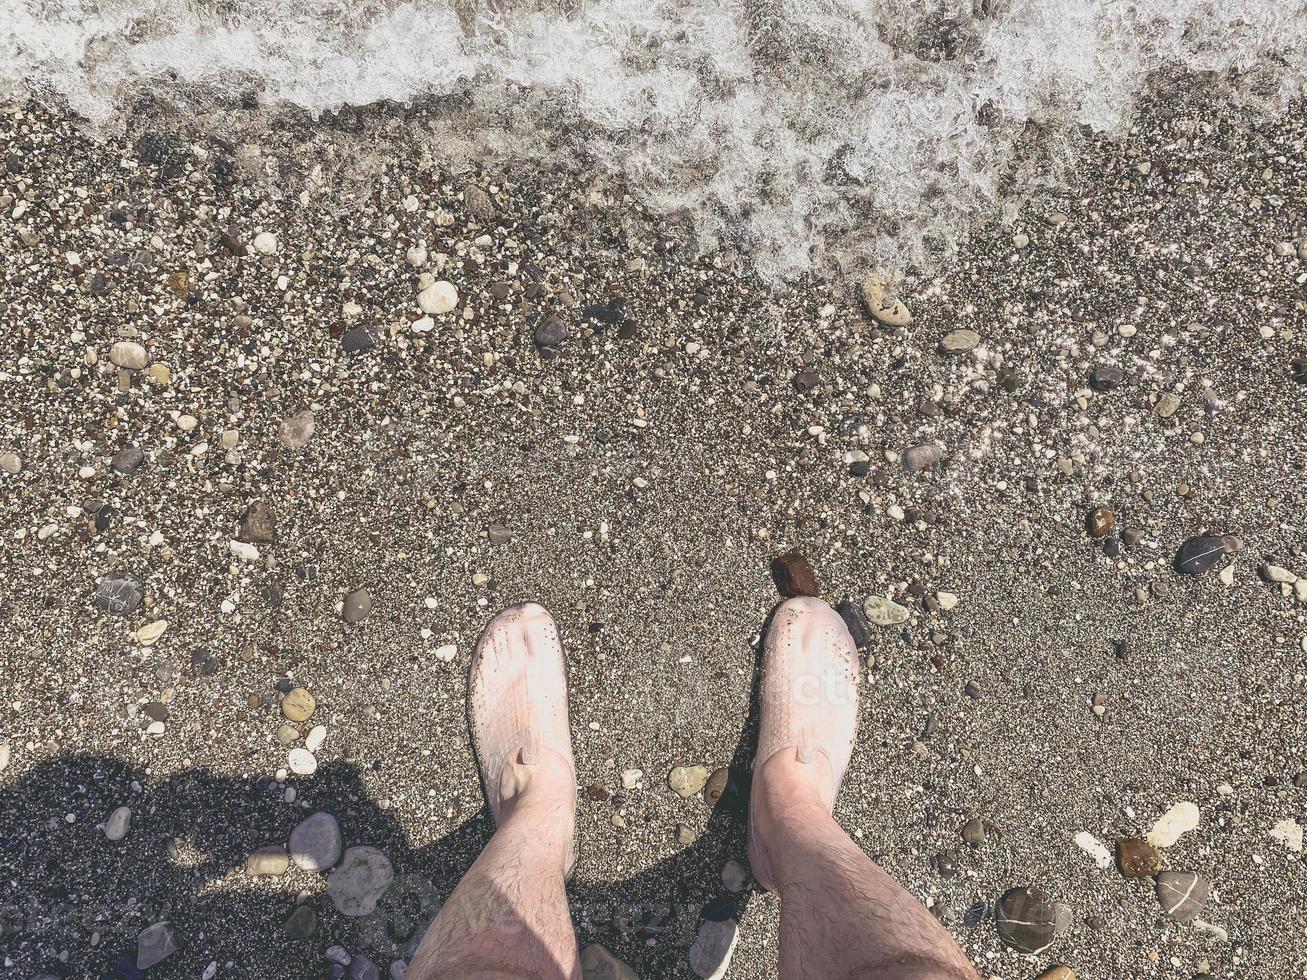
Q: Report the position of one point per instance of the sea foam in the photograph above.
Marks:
(820, 134)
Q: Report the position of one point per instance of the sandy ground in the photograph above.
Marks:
(646, 475)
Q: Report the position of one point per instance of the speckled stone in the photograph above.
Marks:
(357, 884)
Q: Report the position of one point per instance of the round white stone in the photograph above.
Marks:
(302, 762)
(440, 297)
(129, 355)
(265, 242)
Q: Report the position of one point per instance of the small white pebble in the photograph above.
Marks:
(316, 736)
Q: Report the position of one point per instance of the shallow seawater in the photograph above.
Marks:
(814, 135)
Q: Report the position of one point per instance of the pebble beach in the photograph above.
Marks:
(285, 418)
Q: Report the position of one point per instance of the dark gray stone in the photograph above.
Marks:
(362, 968)
(359, 339)
(1029, 920)
(120, 593)
(302, 924)
(1199, 554)
(1182, 894)
(856, 621)
(357, 606)
(974, 832)
(315, 842)
(127, 460)
(549, 336)
(1105, 377)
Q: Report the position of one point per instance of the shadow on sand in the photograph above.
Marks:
(69, 892)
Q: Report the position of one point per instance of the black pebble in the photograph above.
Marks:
(719, 910)
(613, 312)
(1027, 919)
(155, 711)
(120, 593)
(359, 339)
(1198, 555)
(946, 864)
(856, 621)
(127, 461)
(1105, 377)
(549, 336)
(805, 381)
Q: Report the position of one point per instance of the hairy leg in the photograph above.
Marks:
(508, 917)
(842, 916)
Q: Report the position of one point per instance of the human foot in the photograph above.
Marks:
(517, 712)
(809, 716)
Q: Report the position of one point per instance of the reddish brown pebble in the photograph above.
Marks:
(717, 785)
(596, 792)
(1101, 522)
(1137, 858)
(794, 576)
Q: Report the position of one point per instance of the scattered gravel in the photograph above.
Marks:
(243, 353)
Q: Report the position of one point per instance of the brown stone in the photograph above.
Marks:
(1101, 522)
(1057, 973)
(259, 525)
(794, 576)
(717, 786)
(1137, 858)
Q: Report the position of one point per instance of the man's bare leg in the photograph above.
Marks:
(841, 915)
(508, 917)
